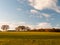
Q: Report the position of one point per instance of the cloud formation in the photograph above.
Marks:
(33, 11)
(44, 25)
(13, 25)
(47, 16)
(40, 14)
(43, 4)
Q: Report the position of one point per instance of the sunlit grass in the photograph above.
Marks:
(29, 38)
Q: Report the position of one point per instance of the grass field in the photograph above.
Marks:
(29, 38)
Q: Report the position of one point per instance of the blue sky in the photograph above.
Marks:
(33, 13)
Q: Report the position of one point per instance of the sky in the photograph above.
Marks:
(32, 13)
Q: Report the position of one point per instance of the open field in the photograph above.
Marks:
(30, 35)
(29, 38)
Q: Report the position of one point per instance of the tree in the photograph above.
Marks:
(28, 29)
(5, 27)
(22, 28)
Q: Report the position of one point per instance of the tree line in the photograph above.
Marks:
(24, 28)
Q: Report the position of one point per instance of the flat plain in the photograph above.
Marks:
(29, 38)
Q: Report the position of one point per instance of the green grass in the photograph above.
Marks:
(29, 38)
(30, 35)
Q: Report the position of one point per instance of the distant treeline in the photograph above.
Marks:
(37, 30)
(28, 29)
(45, 30)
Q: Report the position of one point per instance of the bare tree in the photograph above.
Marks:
(5, 27)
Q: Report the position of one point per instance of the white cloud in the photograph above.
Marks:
(46, 15)
(57, 9)
(33, 11)
(40, 15)
(43, 4)
(13, 25)
(44, 25)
